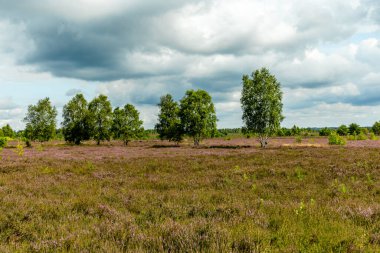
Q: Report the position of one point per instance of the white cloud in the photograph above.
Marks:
(323, 52)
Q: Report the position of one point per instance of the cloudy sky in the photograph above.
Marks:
(325, 53)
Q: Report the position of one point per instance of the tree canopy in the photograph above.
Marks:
(127, 125)
(8, 131)
(261, 102)
(100, 110)
(376, 128)
(169, 122)
(197, 114)
(354, 129)
(40, 121)
(76, 125)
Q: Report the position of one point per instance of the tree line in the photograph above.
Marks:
(193, 116)
(83, 121)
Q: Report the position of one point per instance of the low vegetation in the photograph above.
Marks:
(242, 200)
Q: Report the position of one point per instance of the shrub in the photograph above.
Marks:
(373, 137)
(335, 139)
(362, 137)
(342, 130)
(298, 139)
(19, 149)
(3, 142)
(324, 132)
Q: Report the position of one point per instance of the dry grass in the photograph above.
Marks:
(147, 198)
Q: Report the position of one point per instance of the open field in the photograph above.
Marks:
(226, 196)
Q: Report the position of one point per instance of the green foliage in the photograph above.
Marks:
(295, 130)
(376, 128)
(354, 129)
(325, 131)
(100, 111)
(76, 125)
(373, 137)
(261, 103)
(40, 121)
(298, 139)
(126, 124)
(169, 122)
(342, 130)
(19, 149)
(197, 114)
(335, 139)
(361, 137)
(7, 131)
(3, 142)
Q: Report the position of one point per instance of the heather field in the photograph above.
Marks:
(228, 195)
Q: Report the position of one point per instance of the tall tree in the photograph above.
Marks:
(197, 114)
(376, 128)
(41, 121)
(127, 125)
(261, 102)
(169, 122)
(76, 125)
(101, 118)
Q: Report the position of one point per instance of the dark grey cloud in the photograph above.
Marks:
(98, 48)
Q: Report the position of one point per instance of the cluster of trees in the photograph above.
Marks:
(83, 121)
(7, 131)
(296, 131)
(193, 116)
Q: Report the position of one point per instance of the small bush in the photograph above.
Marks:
(298, 139)
(362, 137)
(19, 149)
(373, 137)
(3, 142)
(335, 139)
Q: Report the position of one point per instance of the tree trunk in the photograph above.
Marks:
(196, 142)
(98, 142)
(126, 142)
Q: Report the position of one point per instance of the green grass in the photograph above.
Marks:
(274, 200)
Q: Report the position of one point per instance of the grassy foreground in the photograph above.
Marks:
(274, 200)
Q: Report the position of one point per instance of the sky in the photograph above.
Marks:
(325, 54)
